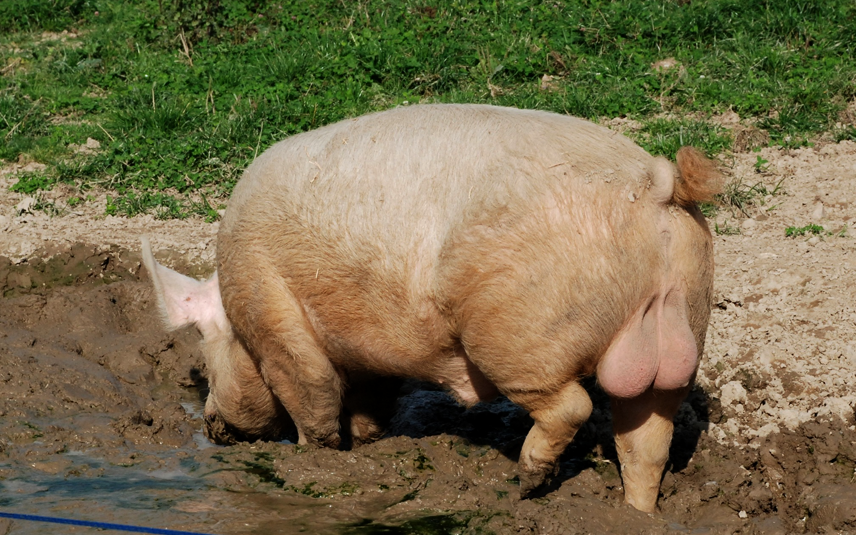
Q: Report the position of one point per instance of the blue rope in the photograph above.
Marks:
(100, 525)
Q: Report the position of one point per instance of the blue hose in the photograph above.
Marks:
(99, 525)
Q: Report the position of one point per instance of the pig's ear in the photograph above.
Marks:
(185, 301)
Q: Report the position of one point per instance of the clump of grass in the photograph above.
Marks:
(132, 203)
(29, 183)
(35, 15)
(847, 133)
(741, 196)
(793, 232)
(665, 136)
(726, 229)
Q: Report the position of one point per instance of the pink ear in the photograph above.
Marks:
(186, 301)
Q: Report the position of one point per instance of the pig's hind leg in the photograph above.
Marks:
(558, 416)
(643, 432)
(647, 372)
(534, 372)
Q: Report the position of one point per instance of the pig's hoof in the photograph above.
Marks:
(531, 478)
(365, 431)
(333, 441)
(330, 441)
(220, 432)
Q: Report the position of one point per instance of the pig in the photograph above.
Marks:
(491, 250)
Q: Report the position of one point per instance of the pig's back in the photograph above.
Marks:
(410, 172)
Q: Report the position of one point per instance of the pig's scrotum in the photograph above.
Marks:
(487, 249)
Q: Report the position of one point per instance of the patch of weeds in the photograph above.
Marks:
(306, 490)
(665, 136)
(761, 165)
(848, 133)
(750, 379)
(202, 208)
(38, 432)
(726, 229)
(165, 206)
(48, 207)
(152, 116)
(737, 194)
(265, 473)
(29, 183)
(35, 15)
(500, 494)
(708, 209)
(793, 232)
(422, 462)
(605, 468)
(345, 489)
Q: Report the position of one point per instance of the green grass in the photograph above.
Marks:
(738, 195)
(793, 232)
(182, 94)
(817, 230)
(848, 133)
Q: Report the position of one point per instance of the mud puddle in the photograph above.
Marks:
(100, 420)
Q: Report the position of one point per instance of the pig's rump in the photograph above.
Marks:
(447, 242)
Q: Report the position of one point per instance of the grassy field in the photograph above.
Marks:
(182, 94)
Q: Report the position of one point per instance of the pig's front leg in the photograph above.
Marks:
(290, 359)
(643, 432)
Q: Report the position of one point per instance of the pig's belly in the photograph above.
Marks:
(412, 341)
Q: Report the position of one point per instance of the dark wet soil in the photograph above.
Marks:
(100, 420)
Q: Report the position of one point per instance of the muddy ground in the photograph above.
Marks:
(100, 408)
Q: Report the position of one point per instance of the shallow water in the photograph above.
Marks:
(102, 492)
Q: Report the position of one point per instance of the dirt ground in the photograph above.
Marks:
(100, 408)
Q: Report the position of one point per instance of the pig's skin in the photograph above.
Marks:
(487, 249)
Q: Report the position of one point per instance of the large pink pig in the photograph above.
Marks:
(491, 250)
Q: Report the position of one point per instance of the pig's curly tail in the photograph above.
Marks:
(698, 178)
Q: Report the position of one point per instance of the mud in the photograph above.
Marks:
(100, 420)
(100, 408)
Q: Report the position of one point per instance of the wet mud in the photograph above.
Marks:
(100, 419)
